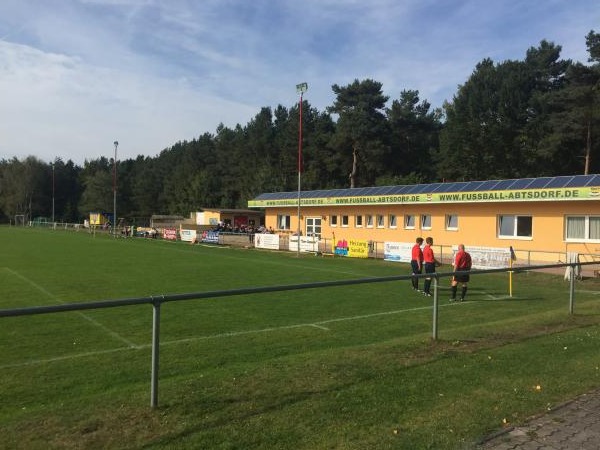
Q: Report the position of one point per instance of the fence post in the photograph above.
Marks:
(435, 308)
(155, 352)
(572, 289)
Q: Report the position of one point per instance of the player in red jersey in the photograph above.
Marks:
(462, 262)
(416, 262)
(430, 264)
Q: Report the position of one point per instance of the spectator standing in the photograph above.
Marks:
(430, 263)
(416, 262)
(462, 262)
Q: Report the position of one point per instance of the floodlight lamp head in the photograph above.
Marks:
(301, 88)
(116, 143)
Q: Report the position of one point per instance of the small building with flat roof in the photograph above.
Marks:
(547, 215)
(233, 217)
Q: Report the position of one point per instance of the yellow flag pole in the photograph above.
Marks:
(510, 272)
(510, 279)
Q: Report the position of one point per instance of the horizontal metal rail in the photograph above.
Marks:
(163, 298)
(157, 300)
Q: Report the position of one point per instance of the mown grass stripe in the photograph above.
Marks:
(79, 313)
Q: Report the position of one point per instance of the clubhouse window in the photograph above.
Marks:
(345, 221)
(514, 226)
(409, 222)
(426, 222)
(451, 222)
(333, 221)
(358, 221)
(369, 219)
(393, 221)
(283, 222)
(380, 221)
(582, 228)
(313, 226)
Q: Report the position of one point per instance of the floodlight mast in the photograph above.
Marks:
(116, 144)
(53, 166)
(300, 89)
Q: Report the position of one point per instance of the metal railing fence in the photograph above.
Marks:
(327, 245)
(445, 252)
(157, 300)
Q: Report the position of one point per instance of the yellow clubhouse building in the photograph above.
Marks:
(547, 215)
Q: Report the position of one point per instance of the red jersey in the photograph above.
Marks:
(428, 254)
(462, 261)
(417, 253)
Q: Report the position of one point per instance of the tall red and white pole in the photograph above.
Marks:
(301, 89)
(116, 144)
(53, 168)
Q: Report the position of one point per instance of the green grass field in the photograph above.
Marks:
(349, 367)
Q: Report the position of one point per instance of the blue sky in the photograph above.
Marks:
(76, 75)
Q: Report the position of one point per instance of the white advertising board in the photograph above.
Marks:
(486, 257)
(397, 251)
(307, 244)
(268, 241)
(188, 235)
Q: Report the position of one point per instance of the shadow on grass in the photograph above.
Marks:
(228, 417)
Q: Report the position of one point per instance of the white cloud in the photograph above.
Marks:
(58, 106)
(76, 75)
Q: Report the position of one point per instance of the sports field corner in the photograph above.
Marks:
(336, 367)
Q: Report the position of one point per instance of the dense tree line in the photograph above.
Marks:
(530, 118)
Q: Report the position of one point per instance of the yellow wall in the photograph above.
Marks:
(477, 224)
(214, 215)
(97, 218)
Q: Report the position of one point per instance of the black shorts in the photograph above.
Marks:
(462, 278)
(429, 267)
(415, 266)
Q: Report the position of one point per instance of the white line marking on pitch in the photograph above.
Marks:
(498, 297)
(85, 316)
(66, 357)
(231, 334)
(218, 336)
(318, 325)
